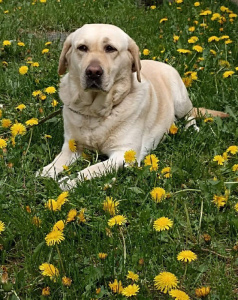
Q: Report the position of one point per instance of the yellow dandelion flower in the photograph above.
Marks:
(18, 129)
(191, 29)
(146, 52)
(130, 157)
(71, 215)
(21, 107)
(3, 144)
(35, 64)
(50, 90)
(220, 201)
(153, 7)
(187, 81)
(45, 291)
(232, 15)
(32, 121)
(51, 204)
(102, 255)
(81, 216)
(158, 194)
(0, 113)
(6, 123)
(117, 220)
(173, 128)
(162, 223)
(54, 103)
(72, 145)
(44, 51)
(228, 74)
(224, 63)
(6, 43)
(215, 16)
(213, 39)
(202, 291)
(23, 70)
(110, 205)
(224, 9)
(228, 42)
(186, 256)
(179, 295)
(163, 20)
(196, 4)
(28, 209)
(225, 155)
(48, 43)
(42, 96)
(152, 161)
(2, 227)
(224, 37)
(54, 237)
(219, 159)
(166, 172)
(213, 52)
(131, 275)
(184, 51)
(62, 198)
(36, 93)
(36, 221)
(236, 207)
(175, 38)
(165, 281)
(232, 149)
(198, 48)
(59, 225)
(66, 281)
(205, 12)
(116, 286)
(235, 168)
(208, 120)
(47, 136)
(21, 44)
(193, 39)
(131, 290)
(192, 74)
(49, 270)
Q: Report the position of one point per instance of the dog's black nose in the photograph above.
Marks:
(94, 71)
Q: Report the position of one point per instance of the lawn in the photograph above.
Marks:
(122, 235)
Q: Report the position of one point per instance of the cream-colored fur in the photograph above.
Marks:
(133, 108)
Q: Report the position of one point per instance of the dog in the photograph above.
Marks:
(113, 101)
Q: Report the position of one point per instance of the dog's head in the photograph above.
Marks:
(99, 55)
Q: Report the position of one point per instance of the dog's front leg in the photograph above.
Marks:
(112, 164)
(65, 158)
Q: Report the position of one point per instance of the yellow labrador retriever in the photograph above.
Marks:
(113, 102)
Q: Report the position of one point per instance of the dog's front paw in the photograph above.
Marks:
(67, 184)
(46, 172)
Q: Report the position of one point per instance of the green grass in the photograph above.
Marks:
(135, 246)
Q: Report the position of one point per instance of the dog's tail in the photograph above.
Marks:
(200, 112)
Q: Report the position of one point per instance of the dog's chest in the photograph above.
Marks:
(89, 132)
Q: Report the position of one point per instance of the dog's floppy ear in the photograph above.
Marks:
(136, 65)
(62, 60)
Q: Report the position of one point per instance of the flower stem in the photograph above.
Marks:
(28, 146)
(124, 245)
(60, 258)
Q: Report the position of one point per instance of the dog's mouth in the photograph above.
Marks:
(94, 85)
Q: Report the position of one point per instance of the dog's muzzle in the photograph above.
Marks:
(94, 73)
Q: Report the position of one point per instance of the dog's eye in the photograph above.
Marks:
(110, 49)
(83, 48)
